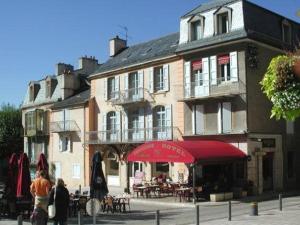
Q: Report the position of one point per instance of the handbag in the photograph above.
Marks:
(51, 208)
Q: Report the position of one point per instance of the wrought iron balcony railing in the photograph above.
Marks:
(132, 95)
(64, 126)
(134, 135)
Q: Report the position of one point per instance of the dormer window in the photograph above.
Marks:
(222, 20)
(223, 23)
(196, 28)
(33, 91)
(286, 32)
(50, 86)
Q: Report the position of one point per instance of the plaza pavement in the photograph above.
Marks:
(143, 211)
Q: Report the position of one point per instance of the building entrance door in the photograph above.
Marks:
(268, 171)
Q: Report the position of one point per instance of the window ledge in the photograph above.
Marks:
(160, 92)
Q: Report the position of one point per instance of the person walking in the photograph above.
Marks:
(40, 189)
(61, 202)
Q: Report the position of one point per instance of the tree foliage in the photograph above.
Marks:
(282, 87)
(11, 133)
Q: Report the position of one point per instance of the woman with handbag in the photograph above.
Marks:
(59, 199)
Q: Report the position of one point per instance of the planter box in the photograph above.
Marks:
(228, 195)
(217, 197)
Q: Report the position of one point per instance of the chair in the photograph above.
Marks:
(126, 201)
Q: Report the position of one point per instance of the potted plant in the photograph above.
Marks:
(281, 84)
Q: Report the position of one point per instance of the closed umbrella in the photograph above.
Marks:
(24, 181)
(12, 179)
(43, 164)
(98, 186)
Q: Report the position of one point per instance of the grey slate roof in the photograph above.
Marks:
(75, 100)
(208, 5)
(234, 35)
(158, 48)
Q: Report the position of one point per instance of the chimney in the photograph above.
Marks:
(63, 68)
(88, 64)
(116, 45)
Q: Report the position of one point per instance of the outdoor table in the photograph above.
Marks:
(121, 201)
(143, 189)
(183, 193)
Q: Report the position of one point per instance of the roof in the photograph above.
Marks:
(147, 51)
(185, 151)
(234, 35)
(75, 100)
(212, 4)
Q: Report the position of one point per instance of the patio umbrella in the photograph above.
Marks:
(98, 186)
(12, 179)
(24, 181)
(43, 164)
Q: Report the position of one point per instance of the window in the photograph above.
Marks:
(223, 68)
(224, 117)
(113, 165)
(57, 168)
(223, 23)
(291, 164)
(158, 79)
(196, 32)
(197, 76)
(159, 116)
(286, 32)
(76, 171)
(111, 121)
(65, 143)
(111, 86)
(162, 167)
(133, 85)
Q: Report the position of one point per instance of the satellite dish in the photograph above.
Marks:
(93, 207)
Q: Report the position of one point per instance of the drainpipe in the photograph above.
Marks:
(194, 183)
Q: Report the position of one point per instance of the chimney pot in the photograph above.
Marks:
(116, 45)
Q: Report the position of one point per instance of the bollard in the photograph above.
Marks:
(280, 202)
(254, 209)
(79, 218)
(229, 210)
(197, 215)
(157, 217)
(20, 220)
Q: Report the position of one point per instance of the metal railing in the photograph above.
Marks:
(64, 126)
(131, 95)
(134, 135)
(204, 88)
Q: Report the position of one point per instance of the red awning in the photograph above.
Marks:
(223, 59)
(197, 65)
(185, 151)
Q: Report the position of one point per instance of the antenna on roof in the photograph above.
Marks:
(126, 31)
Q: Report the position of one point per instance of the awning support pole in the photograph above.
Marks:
(194, 183)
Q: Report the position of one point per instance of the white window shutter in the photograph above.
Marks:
(141, 83)
(213, 70)
(151, 80)
(233, 66)
(118, 125)
(126, 85)
(141, 124)
(60, 143)
(104, 127)
(226, 117)
(149, 123)
(220, 118)
(125, 125)
(169, 129)
(166, 77)
(187, 79)
(193, 119)
(205, 72)
(199, 118)
(117, 87)
(105, 89)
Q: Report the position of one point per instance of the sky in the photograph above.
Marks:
(37, 34)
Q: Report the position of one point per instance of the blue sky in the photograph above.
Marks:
(36, 34)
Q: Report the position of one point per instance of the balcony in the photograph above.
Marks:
(64, 126)
(137, 135)
(36, 123)
(133, 95)
(202, 89)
